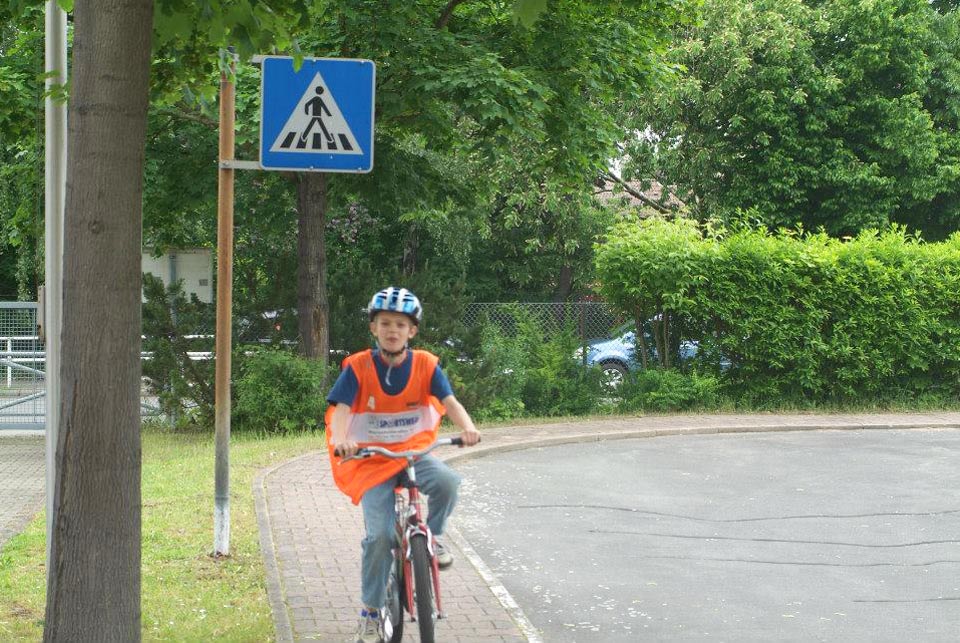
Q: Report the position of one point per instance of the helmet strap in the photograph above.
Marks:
(391, 354)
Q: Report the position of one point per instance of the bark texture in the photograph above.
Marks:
(93, 583)
(564, 283)
(313, 308)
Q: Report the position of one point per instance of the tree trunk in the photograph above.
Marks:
(660, 333)
(667, 348)
(564, 283)
(411, 244)
(640, 320)
(93, 583)
(313, 309)
(640, 341)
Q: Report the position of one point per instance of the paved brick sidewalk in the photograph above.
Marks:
(310, 533)
(22, 481)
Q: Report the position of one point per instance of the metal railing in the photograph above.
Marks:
(22, 360)
(23, 403)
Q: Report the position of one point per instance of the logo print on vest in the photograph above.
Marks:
(371, 403)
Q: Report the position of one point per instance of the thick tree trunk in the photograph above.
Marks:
(93, 584)
(313, 309)
(564, 283)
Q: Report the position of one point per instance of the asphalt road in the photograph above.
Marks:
(825, 535)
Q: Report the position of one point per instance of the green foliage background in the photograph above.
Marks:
(841, 114)
(492, 129)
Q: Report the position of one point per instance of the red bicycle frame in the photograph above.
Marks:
(410, 522)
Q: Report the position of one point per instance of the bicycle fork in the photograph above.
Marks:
(415, 525)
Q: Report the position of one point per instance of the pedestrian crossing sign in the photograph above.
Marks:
(317, 118)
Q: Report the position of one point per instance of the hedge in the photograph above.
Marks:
(794, 315)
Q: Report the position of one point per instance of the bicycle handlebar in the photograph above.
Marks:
(366, 452)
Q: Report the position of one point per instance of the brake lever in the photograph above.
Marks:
(360, 454)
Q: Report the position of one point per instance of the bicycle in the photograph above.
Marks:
(414, 582)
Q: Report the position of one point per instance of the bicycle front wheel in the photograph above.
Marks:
(423, 584)
(393, 617)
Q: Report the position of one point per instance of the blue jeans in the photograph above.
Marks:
(440, 483)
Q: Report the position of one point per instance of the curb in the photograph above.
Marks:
(281, 618)
(503, 595)
(579, 438)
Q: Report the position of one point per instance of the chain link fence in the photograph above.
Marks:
(22, 353)
(588, 320)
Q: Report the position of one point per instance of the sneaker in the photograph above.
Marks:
(368, 630)
(444, 558)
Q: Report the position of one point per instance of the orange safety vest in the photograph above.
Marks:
(407, 421)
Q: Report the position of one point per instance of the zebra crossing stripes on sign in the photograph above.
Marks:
(318, 117)
(317, 125)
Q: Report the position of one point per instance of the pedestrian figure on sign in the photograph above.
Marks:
(315, 107)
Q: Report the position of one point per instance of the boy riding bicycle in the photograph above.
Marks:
(393, 397)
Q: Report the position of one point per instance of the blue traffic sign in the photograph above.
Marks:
(318, 118)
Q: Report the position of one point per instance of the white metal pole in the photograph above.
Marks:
(55, 171)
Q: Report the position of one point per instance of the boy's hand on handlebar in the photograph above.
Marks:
(346, 448)
(470, 436)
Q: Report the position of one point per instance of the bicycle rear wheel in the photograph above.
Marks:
(423, 583)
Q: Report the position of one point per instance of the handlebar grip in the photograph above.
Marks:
(361, 453)
(458, 442)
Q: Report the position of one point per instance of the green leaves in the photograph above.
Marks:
(21, 149)
(188, 36)
(526, 12)
(798, 316)
(828, 114)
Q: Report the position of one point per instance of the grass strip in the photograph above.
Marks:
(186, 594)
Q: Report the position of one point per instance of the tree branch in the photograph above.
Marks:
(636, 193)
(177, 114)
(447, 14)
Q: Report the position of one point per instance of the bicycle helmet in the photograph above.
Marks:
(396, 300)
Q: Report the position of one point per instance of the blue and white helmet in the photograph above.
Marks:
(396, 300)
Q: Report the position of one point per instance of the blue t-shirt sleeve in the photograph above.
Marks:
(345, 389)
(440, 385)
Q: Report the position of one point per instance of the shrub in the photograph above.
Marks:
(279, 392)
(522, 370)
(556, 382)
(183, 386)
(669, 390)
(488, 379)
(651, 270)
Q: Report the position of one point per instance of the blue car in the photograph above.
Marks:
(617, 357)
